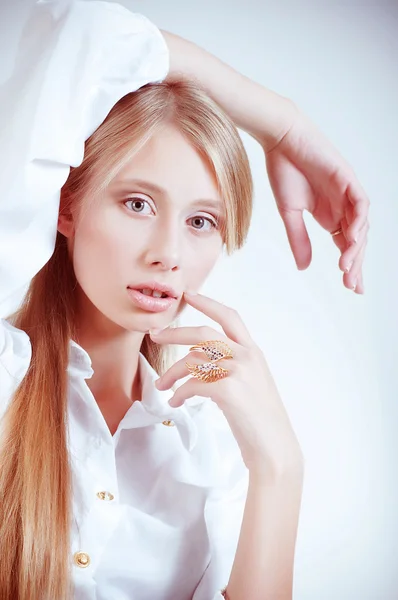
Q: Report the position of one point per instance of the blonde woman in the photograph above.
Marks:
(128, 191)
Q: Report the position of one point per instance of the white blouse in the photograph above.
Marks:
(158, 506)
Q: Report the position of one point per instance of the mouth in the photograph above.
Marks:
(152, 293)
(151, 300)
(155, 289)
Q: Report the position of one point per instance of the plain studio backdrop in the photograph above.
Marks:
(333, 353)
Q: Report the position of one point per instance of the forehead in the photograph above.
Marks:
(169, 160)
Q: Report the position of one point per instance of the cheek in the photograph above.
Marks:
(99, 255)
(201, 262)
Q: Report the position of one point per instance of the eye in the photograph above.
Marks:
(138, 205)
(199, 221)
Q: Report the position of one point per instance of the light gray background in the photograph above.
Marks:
(333, 353)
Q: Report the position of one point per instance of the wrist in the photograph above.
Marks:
(273, 116)
(266, 472)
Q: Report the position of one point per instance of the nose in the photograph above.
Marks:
(164, 248)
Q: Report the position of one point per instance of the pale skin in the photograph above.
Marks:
(115, 245)
(170, 238)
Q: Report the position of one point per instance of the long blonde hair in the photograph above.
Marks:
(35, 475)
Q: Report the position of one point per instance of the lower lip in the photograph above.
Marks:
(149, 302)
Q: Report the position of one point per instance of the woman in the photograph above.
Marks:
(158, 194)
(183, 494)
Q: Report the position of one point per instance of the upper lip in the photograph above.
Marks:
(156, 285)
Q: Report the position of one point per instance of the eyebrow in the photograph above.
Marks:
(157, 189)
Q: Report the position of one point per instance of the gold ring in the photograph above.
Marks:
(214, 349)
(207, 372)
(210, 371)
(337, 232)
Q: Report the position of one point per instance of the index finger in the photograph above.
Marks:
(227, 317)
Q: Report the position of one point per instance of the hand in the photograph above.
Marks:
(247, 396)
(307, 173)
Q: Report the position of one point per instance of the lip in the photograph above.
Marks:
(155, 285)
(149, 303)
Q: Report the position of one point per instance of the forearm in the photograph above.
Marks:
(264, 561)
(262, 113)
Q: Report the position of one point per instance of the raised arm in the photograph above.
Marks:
(305, 171)
(262, 113)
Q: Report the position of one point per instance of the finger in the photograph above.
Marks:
(360, 202)
(290, 186)
(227, 317)
(352, 250)
(350, 254)
(353, 276)
(297, 235)
(350, 279)
(179, 370)
(189, 336)
(340, 239)
(193, 387)
(360, 289)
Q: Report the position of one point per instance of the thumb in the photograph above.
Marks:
(298, 237)
(293, 194)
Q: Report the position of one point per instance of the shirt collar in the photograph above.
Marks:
(153, 407)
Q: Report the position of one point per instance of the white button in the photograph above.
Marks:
(105, 496)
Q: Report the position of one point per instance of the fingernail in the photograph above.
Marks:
(154, 331)
(354, 285)
(348, 267)
(191, 293)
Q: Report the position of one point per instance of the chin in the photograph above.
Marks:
(144, 324)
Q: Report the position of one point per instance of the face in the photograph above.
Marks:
(157, 222)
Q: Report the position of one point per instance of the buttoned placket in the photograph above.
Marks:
(96, 508)
(96, 524)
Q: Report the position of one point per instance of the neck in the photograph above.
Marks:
(116, 382)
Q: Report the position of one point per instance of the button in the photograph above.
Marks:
(105, 496)
(168, 423)
(81, 559)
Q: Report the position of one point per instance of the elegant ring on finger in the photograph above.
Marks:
(207, 372)
(210, 371)
(214, 349)
(337, 232)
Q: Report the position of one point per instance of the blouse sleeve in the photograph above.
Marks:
(15, 357)
(225, 506)
(73, 61)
